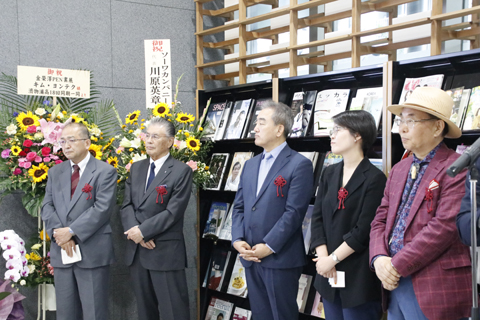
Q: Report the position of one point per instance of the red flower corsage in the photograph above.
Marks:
(429, 194)
(161, 190)
(280, 182)
(342, 195)
(88, 189)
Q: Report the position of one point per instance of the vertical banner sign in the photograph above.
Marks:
(158, 72)
(53, 82)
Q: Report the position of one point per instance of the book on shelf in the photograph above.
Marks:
(242, 314)
(219, 262)
(377, 163)
(213, 118)
(216, 216)
(217, 166)
(374, 106)
(411, 84)
(472, 116)
(317, 309)
(331, 158)
(210, 308)
(250, 132)
(236, 169)
(307, 228)
(223, 122)
(456, 95)
(463, 107)
(221, 310)
(302, 112)
(312, 156)
(238, 282)
(362, 94)
(328, 103)
(303, 289)
(226, 227)
(238, 118)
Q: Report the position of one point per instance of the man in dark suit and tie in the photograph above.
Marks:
(156, 196)
(464, 217)
(273, 195)
(79, 200)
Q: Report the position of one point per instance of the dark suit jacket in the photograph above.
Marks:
(463, 218)
(89, 219)
(433, 255)
(333, 226)
(270, 218)
(162, 222)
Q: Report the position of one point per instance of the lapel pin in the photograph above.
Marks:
(161, 190)
(280, 182)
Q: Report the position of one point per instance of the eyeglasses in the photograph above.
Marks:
(69, 141)
(410, 122)
(335, 130)
(153, 136)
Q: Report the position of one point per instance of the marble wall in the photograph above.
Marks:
(106, 37)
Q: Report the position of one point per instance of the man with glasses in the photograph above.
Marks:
(414, 244)
(79, 201)
(156, 196)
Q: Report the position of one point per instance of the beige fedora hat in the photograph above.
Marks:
(433, 101)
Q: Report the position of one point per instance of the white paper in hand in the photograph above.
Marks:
(340, 280)
(77, 256)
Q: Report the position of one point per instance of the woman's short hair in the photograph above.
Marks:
(237, 163)
(282, 114)
(358, 122)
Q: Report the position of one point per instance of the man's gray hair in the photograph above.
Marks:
(169, 127)
(282, 114)
(82, 128)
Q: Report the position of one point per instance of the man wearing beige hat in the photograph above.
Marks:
(415, 249)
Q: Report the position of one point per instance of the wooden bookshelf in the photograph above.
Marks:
(439, 33)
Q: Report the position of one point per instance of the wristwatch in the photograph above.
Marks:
(334, 257)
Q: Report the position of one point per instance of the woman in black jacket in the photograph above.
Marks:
(347, 199)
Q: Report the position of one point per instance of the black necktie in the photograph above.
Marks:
(151, 176)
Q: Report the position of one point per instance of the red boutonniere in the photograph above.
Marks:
(429, 194)
(280, 182)
(342, 195)
(88, 189)
(161, 190)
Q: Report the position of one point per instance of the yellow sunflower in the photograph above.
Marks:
(16, 150)
(109, 143)
(132, 117)
(193, 144)
(184, 117)
(42, 235)
(39, 173)
(26, 120)
(160, 110)
(77, 119)
(96, 151)
(113, 161)
(33, 256)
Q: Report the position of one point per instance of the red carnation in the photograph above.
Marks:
(27, 143)
(27, 150)
(46, 151)
(22, 154)
(17, 171)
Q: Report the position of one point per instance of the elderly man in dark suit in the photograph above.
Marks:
(273, 195)
(79, 201)
(414, 244)
(156, 196)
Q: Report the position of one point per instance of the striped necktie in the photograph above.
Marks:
(75, 178)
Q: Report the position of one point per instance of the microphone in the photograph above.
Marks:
(465, 160)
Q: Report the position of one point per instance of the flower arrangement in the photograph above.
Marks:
(14, 253)
(187, 146)
(38, 266)
(30, 128)
(10, 302)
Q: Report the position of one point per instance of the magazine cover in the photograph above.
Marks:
(331, 158)
(374, 105)
(210, 308)
(463, 107)
(238, 281)
(250, 132)
(241, 314)
(221, 310)
(213, 118)
(236, 169)
(472, 115)
(317, 309)
(329, 103)
(411, 84)
(297, 112)
(226, 227)
(237, 120)
(217, 168)
(303, 290)
(307, 228)
(220, 258)
(456, 95)
(216, 216)
(301, 126)
(223, 122)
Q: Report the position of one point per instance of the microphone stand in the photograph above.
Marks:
(473, 228)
